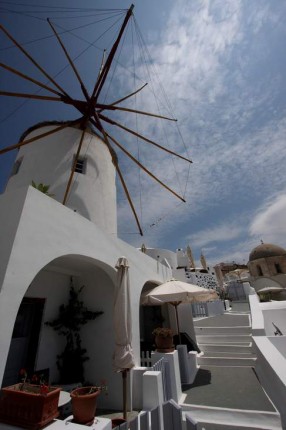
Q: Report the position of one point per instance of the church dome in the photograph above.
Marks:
(266, 250)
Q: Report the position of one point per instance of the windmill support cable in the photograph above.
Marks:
(32, 60)
(112, 107)
(22, 75)
(74, 163)
(84, 90)
(38, 137)
(126, 97)
(144, 168)
(129, 130)
(100, 82)
(96, 122)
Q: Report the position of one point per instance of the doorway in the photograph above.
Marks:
(25, 339)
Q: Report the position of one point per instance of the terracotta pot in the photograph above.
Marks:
(84, 404)
(164, 344)
(26, 406)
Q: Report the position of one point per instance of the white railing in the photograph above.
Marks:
(162, 366)
(146, 359)
(207, 309)
(152, 420)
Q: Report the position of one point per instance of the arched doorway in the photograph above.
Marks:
(25, 339)
(150, 318)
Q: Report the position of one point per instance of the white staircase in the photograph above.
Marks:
(225, 346)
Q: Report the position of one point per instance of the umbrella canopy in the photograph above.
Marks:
(123, 358)
(270, 290)
(176, 292)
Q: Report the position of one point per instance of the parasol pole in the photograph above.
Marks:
(175, 304)
(124, 385)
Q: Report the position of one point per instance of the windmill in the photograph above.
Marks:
(91, 109)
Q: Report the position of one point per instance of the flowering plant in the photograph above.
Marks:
(101, 387)
(89, 389)
(163, 332)
(35, 380)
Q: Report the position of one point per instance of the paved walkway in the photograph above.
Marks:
(228, 387)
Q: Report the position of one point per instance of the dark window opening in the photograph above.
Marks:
(80, 165)
(278, 268)
(259, 271)
(16, 166)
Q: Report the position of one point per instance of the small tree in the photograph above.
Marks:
(43, 188)
(72, 317)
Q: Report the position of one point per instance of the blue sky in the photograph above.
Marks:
(222, 66)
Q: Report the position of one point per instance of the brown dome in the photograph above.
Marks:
(266, 250)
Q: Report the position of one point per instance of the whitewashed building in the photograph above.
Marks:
(44, 244)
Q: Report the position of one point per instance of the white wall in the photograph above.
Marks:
(276, 316)
(161, 254)
(280, 343)
(270, 368)
(257, 319)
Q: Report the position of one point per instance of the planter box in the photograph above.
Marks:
(27, 407)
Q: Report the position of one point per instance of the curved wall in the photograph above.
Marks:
(49, 161)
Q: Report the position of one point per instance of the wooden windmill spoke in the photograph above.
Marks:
(84, 90)
(32, 60)
(144, 168)
(130, 95)
(96, 122)
(112, 107)
(30, 96)
(105, 70)
(74, 166)
(128, 197)
(22, 75)
(129, 130)
(39, 136)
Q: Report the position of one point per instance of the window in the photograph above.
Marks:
(80, 165)
(259, 270)
(16, 166)
(278, 268)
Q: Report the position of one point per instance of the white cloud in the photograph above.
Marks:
(269, 223)
(220, 233)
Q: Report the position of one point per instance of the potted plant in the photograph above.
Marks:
(163, 339)
(84, 403)
(71, 318)
(28, 405)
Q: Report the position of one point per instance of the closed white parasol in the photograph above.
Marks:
(123, 358)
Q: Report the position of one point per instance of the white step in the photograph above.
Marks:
(226, 361)
(210, 418)
(220, 338)
(243, 348)
(222, 354)
(222, 330)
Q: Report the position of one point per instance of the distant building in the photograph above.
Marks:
(267, 268)
(233, 280)
(182, 264)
